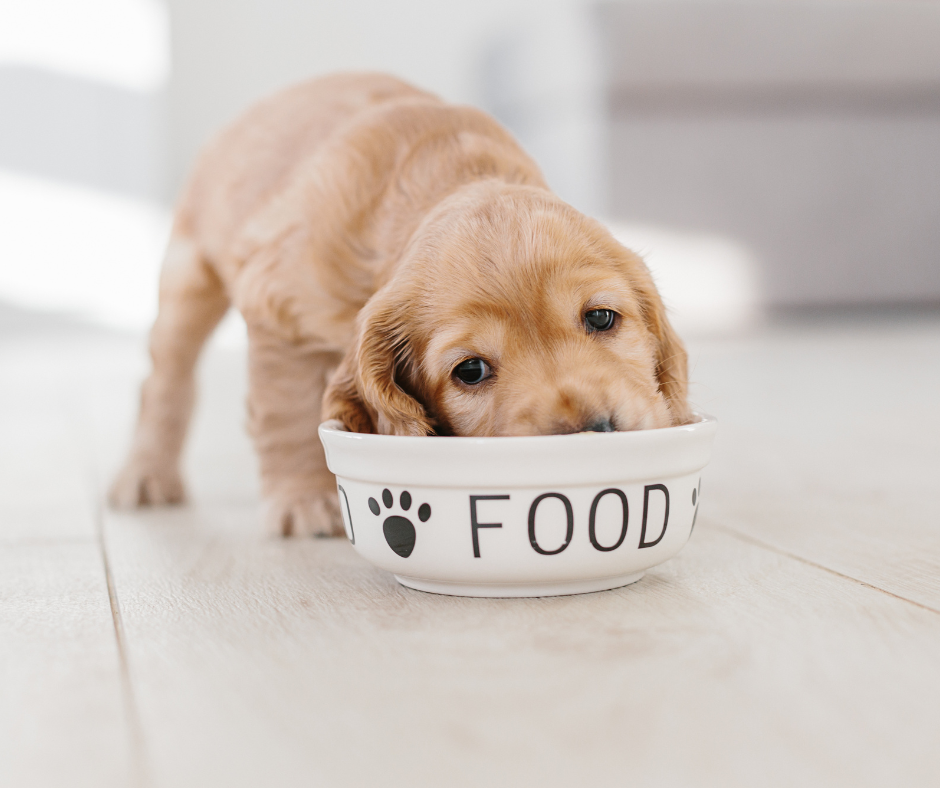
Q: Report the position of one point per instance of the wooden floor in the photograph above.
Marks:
(794, 641)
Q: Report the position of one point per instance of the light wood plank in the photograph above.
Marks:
(269, 662)
(63, 718)
(46, 487)
(294, 663)
(828, 447)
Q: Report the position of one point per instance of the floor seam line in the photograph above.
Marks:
(130, 698)
(747, 538)
(139, 761)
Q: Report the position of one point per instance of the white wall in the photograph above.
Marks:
(228, 53)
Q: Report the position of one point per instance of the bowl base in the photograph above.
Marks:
(561, 588)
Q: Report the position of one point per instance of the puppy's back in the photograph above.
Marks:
(255, 156)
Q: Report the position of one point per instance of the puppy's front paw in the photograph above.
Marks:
(308, 515)
(146, 483)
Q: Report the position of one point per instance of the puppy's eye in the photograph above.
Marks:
(600, 319)
(472, 371)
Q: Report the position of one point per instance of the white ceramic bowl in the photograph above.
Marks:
(558, 514)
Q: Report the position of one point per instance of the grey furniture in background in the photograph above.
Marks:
(809, 132)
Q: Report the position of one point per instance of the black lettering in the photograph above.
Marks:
(592, 532)
(475, 526)
(646, 500)
(570, 529)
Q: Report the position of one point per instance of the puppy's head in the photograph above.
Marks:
(512, 314)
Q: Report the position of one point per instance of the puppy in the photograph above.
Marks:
(401, 266)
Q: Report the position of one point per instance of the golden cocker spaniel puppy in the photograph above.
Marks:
(402, 267)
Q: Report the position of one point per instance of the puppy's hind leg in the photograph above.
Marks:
(192, 302)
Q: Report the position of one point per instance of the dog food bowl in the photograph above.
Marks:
(507, 517)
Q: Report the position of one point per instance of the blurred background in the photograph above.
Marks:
(766, 157)
(778, 165)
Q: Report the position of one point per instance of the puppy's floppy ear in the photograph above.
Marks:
(672, 365)
(365, 393)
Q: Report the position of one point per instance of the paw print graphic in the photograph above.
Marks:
(399, 531)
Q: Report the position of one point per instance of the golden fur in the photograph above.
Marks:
(373, 237)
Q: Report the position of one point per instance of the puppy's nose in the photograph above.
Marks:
(601, 425)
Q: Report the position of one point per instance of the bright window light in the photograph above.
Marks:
(85, 253)
(709, 283)
(75, 250)
(121, 42)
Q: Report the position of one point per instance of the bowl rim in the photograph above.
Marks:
(517, 461)
(698, 419)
